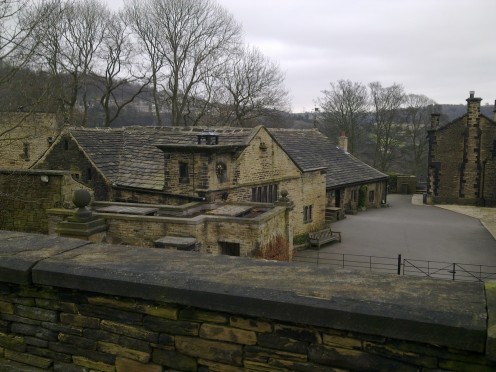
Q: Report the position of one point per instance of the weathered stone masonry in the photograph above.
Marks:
(462, 158)
(67, 305)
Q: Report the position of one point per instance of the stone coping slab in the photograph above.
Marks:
(19, 252)
(443, 313)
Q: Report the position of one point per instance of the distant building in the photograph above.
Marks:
(462, 158)
(172, 165)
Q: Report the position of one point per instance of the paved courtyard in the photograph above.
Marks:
(417, 232)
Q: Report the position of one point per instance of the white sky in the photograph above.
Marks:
(440, 48)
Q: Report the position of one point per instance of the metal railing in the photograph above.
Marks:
(450, 271)
(352, 261)
(397, 265)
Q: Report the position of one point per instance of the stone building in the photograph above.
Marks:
(25, 137)
(462, 158)
(171, 165)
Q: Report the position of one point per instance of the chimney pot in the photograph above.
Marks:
(472, 93)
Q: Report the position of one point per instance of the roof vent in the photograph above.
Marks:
(208, 138)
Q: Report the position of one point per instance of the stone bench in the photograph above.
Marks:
(324, 236)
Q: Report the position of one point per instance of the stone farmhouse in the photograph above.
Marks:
(170, 165)
(462, 158)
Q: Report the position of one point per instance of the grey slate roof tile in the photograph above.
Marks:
(311, 149)
(130, 156)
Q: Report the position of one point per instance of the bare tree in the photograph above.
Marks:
(345, 107)
(417, 112)
(386, 103)
(120, 70)
(18, 45)
(254, 86)
(149, 37)
(70, 39)
(16, 29)
(196, 36)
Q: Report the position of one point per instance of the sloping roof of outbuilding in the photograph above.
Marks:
(311, 149)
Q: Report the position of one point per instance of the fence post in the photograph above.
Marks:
(399, 264)
(454, 270)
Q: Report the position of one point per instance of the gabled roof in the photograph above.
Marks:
(458, 119)
(130, 157)
(310, 149)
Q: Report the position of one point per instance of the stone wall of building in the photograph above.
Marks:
(252, 234)
(67, 156)
(25, 137)
(461, 159)
(25, 195)
(350, 196)
(71, 306)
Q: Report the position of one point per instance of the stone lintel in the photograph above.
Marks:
(443, 313)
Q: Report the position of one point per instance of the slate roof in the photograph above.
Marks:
(130, 157)
(310, 149)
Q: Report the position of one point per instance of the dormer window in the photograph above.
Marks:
(208, 138)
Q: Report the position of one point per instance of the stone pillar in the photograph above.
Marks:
(284, 201)
(83, 224)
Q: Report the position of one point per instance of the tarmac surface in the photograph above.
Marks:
(455, 234)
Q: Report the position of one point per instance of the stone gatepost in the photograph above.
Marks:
(83, 224)
(284, 201)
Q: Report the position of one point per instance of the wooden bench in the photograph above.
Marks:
(324, 236)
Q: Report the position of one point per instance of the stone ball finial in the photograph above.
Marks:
(81, 198)
(284, 193)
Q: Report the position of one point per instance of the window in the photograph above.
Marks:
(307, 213)
(66, 145)
(25, 151)
(371, 196)
(183, 172)
(229, 249)
(89, 175)
(265, 194)
(354, 195)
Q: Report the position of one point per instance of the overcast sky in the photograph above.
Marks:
(440, 48)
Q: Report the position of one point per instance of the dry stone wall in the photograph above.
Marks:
(69, 306)
(25, 195)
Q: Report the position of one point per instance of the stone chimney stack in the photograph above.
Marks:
(435, 120)
(343, 142)
(473, 110)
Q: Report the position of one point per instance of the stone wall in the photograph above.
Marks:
(66, 305)
(25, 195)
(25, 137)
(66, 155)
(462, 168)
(252, 234)
(350, 204)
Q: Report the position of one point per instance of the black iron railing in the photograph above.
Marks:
(397, 265)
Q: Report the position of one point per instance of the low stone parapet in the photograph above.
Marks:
(68, 304)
